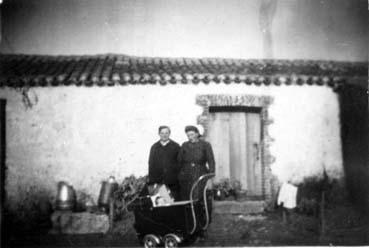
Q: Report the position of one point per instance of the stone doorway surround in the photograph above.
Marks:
(262, 102)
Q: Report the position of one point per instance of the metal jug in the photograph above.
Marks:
(66, 197)
(106, 193)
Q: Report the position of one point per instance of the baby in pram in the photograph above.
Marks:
(160, 194)
(161, 220)
(174, 207)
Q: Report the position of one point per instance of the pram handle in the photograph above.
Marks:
(208, 176)
(201, 178)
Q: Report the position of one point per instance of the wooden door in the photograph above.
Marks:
(235, 137)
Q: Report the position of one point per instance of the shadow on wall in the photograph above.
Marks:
(354, 133)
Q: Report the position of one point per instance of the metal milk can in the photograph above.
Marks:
(66, 197)
(106, 193)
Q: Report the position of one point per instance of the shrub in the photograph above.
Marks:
(309, 195)
(126, 193)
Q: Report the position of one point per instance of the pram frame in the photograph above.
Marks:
(191, 204)
(208, 176)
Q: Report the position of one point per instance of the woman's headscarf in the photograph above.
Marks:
(192, 128)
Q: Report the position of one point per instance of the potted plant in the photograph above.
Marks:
(218, 192)
(226, 189)
(221, 189)
(239, 193)
(236, 190)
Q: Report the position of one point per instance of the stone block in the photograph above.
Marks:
(234, 207)
(79, 223)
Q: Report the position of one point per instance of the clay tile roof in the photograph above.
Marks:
(108, 70)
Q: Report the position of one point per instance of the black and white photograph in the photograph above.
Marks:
(184, 123)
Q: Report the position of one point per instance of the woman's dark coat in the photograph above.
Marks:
(193, 157)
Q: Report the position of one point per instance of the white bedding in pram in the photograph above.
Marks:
(161, 195)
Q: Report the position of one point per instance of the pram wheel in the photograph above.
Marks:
(151, 241)
(171, 241)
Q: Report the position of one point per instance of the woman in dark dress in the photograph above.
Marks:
(193, 157)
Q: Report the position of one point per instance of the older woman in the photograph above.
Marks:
(193, 157)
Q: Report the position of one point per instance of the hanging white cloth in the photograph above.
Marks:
(287, 195)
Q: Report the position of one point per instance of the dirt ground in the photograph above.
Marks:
(344, 226)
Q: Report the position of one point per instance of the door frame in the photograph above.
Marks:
(269, 182)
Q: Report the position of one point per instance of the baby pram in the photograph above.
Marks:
(176, 223)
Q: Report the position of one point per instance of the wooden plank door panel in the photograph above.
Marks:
(219, 139)
(237, 147)
(253, 151)
(235, 137)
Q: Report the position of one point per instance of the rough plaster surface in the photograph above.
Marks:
(83, 135)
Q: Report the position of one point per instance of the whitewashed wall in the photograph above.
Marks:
(83, 135)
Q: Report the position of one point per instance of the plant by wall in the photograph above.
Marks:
(310, 193)
(127, 192)
(226, 188)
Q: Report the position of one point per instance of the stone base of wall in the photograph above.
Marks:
(234, 207)
(79, 223)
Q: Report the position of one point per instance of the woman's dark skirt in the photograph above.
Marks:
(187, 177)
